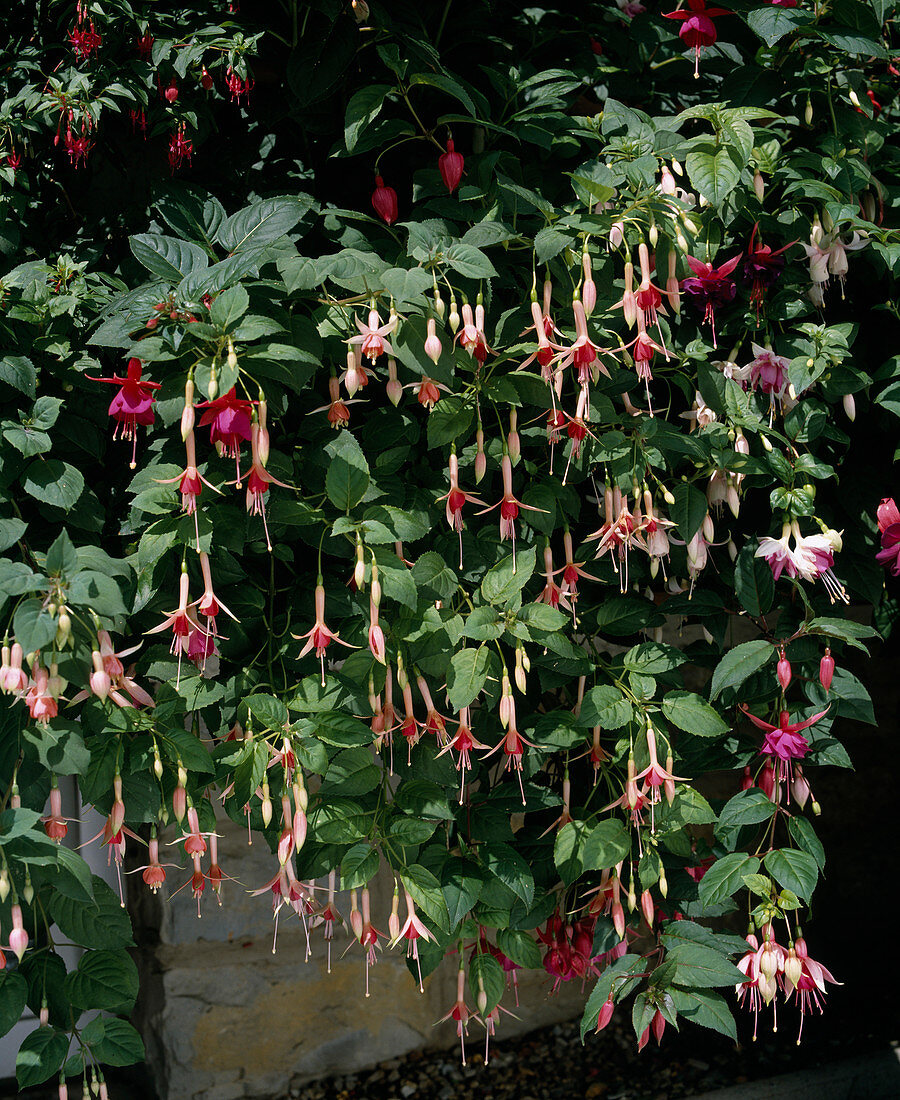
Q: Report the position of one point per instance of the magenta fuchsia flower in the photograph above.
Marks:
(132, 405)
(768, 371)
(178, 621)
(710, 287)
(384, 201)
(784, 742)
(889, 529)
(697, 28)
(763, 266)
(228, 419)
(451, 165)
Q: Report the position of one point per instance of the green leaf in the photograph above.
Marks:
(753, 582)
(448, 420)
(461, 882)
(844, 629)
(739, 664)
(568, 850)
(51, 481)
(795, 870)
(103, 979)
(507, 865)
(689, 509)
(33, 626)
(60, 747)
(520, 947)
(486, 973)
(748, 807)
(804, 835)
(622, 615)
(447, 85)
(726, 877)
(11, 530)
(267, 710)
(484, 624)
(40, 1056)
(466, 676)
(508, 577)
(362, 110)
(431, 571)
(105, 924)
(773, 23)
(693, 714)
(702, 967)
(358, 866)
(113, 1042)
(262, 222)
(13, 993)
(168, 257)
(426, 893)
(606, 844)
(605, 706)
(61, 557)
(705, 1008)
(542, 616)
(18, 371)
(549, 243)
(714, 170)
(227, 308)
(353, 772)
(348, 472)
(470, 262)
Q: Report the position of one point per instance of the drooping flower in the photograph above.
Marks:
(456, 498)
(710, 287)
(769, 372)
(190, 484)
(509, 506)
(777, 553)
(181, 148)
(460, 1013)
(697, 27)
(319, 636)
(805, 979)
(784, 742)
(451, 165)
(372, 335)
(889, 528)
(471, 336)
(384, 201)
(178, 621)
(814, 558)
(228, 419)
(132, 405)
(258, 481)
(763, 266)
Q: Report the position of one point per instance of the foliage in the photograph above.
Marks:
(504, 714)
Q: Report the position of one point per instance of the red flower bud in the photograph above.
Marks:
(205, 79)
(826, 670)
(783, 671)
(451, 165)
(171, 93)
(384, 201)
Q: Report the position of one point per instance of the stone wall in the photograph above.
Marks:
(223, 1018)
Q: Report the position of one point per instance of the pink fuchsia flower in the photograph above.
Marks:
(54, 823)
(697, 28)
(456, 498)
(412, 931)
(710, 287)
(258, 482)
(190, 484)
(39, 698)
(582, 353)
(805, 979)
(319, 636)
(769, 371)
(451, 165)
(132, 405)
(13, 677)
(372, 335)
(238, 87)
(463, 742)
(814, 557)
(784, 742)
(471, 336)
(384, 201)
(209, 605)
(178, 621)
(460, 1013)
(777, 553)
(509, 506)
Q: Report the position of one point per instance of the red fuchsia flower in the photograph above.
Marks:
(697, 28)
(13, 161)
(544, 352)
(620, 531)
(889, 529)
(412, 931)
(181, 148)
(84, 39)
(471, 336)
(655, 776)
(648, 297)
(78, 146)
(434, 723)
(336, 409)
(190, 484)
(132, 405)
(178, 621)
(54, 823)
(145, 45)
(355, 376)
(153, 872)
(258, 481)
(384, 201)
(582, 353)
(462, 742)
(763, 266)
(632, 800)
(571, 571)
(428, 392)
(513, 743)
(329, 916)
(372, 335)
(451, 166)
(42, 704)
(552, 593)
(238, 87)
(784, 742)
(710, 287)
(460, 1013)
(138, 122)
(229, 422)
(319, 636)
(509, 506)
(456, 498)
(368, 935)
(805, 979)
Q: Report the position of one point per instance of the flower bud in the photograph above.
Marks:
(793, 967)
(481, 1000)
(432, 343)
(616, 234)
(513, 443)
(266, 805)
(808, 112)
(663, 884)
(766, 442)
(440, 307)
(800, 788)
(453, 316)
(359, 570)
(393, 388)
(480, 457)
(783, 671)
(647, 907)
(849, 406)
(759, 185)
(826, 671)
(4, 885)
(606, 1013)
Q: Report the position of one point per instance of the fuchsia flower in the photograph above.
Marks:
(132, 405)
(697, 28)
(763, 266)
(384, 200)
(229, 421)
(258, 481)
(509, 506)
(784, 741)
(805, 979)
(462, 742)
(710, 287)
(319, 636)
(372, 335)
(471, 336)
(181, 148)
(190, 484)
(460, 1012)
(451, 166)
(889, 528)
(178, 621)
(456, 498)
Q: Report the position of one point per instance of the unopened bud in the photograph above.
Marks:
(606, 1013)
(826, 671)
(783, 671)
(453, 316)
(849, 403)
(793, 967)
(63, 629)
(359, 570)
(663, 884)
(759, 184)
(231, 360)
(212, 389)
(808, 112)
(266, 805)
(653, 236)
(480, 457)
(854, 98)
(766, 442)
